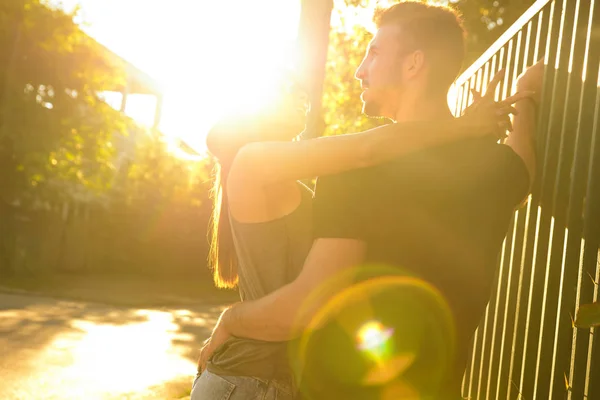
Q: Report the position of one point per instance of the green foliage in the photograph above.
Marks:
(157, 177)
(55, 132)
(341, 95)
(486, 20)
(60, 143)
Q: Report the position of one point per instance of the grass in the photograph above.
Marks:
(122, 289)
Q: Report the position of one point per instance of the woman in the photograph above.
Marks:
(262, 217)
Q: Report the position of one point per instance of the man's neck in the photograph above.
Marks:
(430, 109)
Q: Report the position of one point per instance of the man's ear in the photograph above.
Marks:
(414, 63)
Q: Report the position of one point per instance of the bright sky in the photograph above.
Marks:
(206, 54)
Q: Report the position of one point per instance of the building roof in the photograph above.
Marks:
(138, 82)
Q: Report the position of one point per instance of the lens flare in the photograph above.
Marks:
(386, 333)
(373, 337)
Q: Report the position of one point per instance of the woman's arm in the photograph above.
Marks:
(265, 163)
(522, 138)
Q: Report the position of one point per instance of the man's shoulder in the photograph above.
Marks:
(351, 178)
(454, 160)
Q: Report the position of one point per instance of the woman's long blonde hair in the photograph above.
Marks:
(222, 257)
(224, 141)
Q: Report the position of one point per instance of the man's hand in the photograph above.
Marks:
(218, 337)
(486, 116)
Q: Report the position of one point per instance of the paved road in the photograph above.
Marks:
(63, 350)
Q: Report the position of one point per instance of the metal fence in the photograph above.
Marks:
(527, 345)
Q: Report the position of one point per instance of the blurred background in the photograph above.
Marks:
(105, 106)
(104, 177)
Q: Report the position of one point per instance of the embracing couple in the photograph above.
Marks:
(429, 196)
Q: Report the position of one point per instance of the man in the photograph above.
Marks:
(440, 214)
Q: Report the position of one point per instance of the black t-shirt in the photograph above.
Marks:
(441, 214)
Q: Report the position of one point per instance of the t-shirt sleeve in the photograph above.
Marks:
(339, 206)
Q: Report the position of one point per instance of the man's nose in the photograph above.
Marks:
(360, 73)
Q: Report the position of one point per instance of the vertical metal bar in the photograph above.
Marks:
(566, 350)
(459, 100)
(484, 81)
(511, 364)
(535, 230)
(562, 240)
(472, 368)
(467, 389)
(592, 234)
(500, 272)
(574, 337)
(530, 299)
(592, 387)
(495, 322)
(565, 157)
(465, 96)
(543, 312)
(536, 52)
(483, 348)
(548, 183)
(486, 77)
(536, 302)
(468, 98)
(501, 367)
(513, 348)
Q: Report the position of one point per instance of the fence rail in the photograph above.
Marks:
(527, 346)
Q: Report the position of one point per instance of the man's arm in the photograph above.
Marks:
(341, 208)
(284, 313)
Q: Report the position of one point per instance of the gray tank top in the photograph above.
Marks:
(270, 255)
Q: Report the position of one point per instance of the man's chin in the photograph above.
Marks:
(371, 109)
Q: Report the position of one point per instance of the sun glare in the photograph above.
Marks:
(210, 57)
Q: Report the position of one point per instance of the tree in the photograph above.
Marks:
(55, 131)
(486, 20)
(341, 95)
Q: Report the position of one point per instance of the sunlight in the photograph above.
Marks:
(68, 350)
(122, 358)
(211, 57)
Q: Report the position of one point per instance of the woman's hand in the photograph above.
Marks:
(218, 337)
(485, 116)
(532, 80)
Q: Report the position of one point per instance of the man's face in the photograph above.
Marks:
(381, 74)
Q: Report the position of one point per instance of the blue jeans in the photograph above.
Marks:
(209, 386)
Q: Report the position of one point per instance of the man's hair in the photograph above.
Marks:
(434, 29)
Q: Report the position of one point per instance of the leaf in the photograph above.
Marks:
(592, 278)
(567, 385)
(588, 316)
